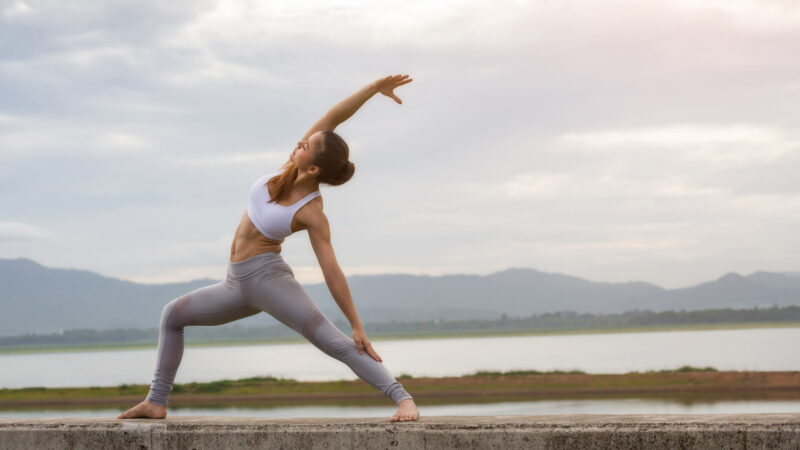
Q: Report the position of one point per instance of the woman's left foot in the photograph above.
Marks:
(406, 410)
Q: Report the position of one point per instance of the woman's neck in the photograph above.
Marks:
(306, 182)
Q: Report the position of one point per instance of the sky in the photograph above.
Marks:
(610, 140)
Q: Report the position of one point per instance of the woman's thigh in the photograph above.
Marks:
(280, 295)
(216, 304)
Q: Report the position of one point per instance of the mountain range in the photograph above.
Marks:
(39, 299)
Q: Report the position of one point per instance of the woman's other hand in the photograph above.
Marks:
(363, 344)
(386, 85)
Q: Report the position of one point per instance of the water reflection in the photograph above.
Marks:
(545, 407)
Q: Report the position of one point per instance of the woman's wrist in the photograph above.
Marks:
(373, 87)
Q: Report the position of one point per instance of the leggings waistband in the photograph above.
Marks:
(243, 269)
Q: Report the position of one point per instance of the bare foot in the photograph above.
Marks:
(145, 409)
(406, 410)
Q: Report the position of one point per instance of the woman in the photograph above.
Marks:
(258, 279)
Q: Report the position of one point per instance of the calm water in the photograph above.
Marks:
(627, 406)
(756, 349)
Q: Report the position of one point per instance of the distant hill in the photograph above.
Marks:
(38, 299)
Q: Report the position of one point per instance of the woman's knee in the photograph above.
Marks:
(171, 313)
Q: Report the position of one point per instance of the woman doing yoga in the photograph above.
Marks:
(281, 203)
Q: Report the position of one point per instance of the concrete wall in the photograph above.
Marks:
(588, 431)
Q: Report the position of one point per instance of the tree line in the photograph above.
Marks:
(564, 320)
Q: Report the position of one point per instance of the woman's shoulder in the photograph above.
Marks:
(310, 212)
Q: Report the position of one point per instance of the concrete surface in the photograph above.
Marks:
(585, 431)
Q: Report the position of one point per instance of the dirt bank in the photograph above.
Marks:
(685, 386)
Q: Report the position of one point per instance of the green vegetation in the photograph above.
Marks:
(690, 369)
(689, 383)
(541, 324)
(485, 373)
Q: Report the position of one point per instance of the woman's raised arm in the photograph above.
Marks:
(347, 107)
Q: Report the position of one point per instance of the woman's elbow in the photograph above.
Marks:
(333, 274)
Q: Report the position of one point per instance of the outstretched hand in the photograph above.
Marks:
(386, 85)
(363, 344)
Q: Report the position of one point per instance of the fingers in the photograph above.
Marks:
(371, 352)
(360, 345)
(396, 98)
(364, 345)
(400, 80)
(397, 80)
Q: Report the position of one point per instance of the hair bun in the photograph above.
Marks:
(348, 170)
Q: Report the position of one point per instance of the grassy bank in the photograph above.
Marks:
(688, 383)
(50, 348)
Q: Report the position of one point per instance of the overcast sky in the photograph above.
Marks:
(611, 140)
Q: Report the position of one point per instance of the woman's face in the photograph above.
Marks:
(303, 153)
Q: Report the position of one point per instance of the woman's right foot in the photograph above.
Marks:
(145, 409)
(406, 410)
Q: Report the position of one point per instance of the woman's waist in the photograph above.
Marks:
(245, 248)
(251, 248)
(249, 266)
(272, 255)
(249, 242)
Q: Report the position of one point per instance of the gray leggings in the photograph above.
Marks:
(261, 283)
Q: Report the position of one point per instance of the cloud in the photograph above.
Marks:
(23, 232)
(566, 186)
(358, 23)
(553, 134)
(754, 14)
(264, 158)
(17, 9)
(186, 272)
(733, 144)
(33, 138)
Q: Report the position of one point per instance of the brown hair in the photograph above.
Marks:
(332, 160)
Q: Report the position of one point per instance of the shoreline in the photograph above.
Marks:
(686, 384)
(140, 345)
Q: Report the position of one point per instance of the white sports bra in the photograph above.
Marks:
(273, 220)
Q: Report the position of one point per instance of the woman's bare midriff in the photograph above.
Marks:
(249, 242)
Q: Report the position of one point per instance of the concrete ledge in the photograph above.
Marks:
(735, 431)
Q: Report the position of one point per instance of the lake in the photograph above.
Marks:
(764, 349)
